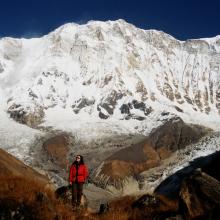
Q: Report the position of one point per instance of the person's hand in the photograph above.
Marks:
(71, 183)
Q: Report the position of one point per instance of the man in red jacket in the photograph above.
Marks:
(78, 176)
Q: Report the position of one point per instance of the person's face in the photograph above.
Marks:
(78, 158)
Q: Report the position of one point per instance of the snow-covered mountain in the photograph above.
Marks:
(109, 73)
(106, 86)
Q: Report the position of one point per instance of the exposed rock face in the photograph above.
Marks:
(1, 68)
(82, 103)
(190, 194)
(126, 109)
(57, 149)
(154, 207)
(201, 195)
(32, 118)
(108, 104)
(198, 198)
(173, 135)
(170, 187)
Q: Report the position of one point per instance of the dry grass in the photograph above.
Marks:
(115, 215)
(118, 210)
(32, 199)
(36, 201)
(108, 216)
(121, 209)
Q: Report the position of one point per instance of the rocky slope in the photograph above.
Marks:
(190, 193)
(10, 167)
(27, 194)
(170, 137)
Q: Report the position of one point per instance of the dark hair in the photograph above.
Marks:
(81, 160)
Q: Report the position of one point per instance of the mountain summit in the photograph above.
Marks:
(109, 71)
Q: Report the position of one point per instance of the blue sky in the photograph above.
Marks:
(183, 19)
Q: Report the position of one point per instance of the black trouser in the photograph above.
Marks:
(77, 190)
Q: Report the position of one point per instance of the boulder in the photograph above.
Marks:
(201, 195)
(197, 198)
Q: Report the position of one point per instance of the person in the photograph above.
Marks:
(78, 176)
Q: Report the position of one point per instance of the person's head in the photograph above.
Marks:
(79, 159)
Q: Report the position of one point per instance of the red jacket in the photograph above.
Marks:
(82, 173)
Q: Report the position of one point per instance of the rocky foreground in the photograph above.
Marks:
(190, 193)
